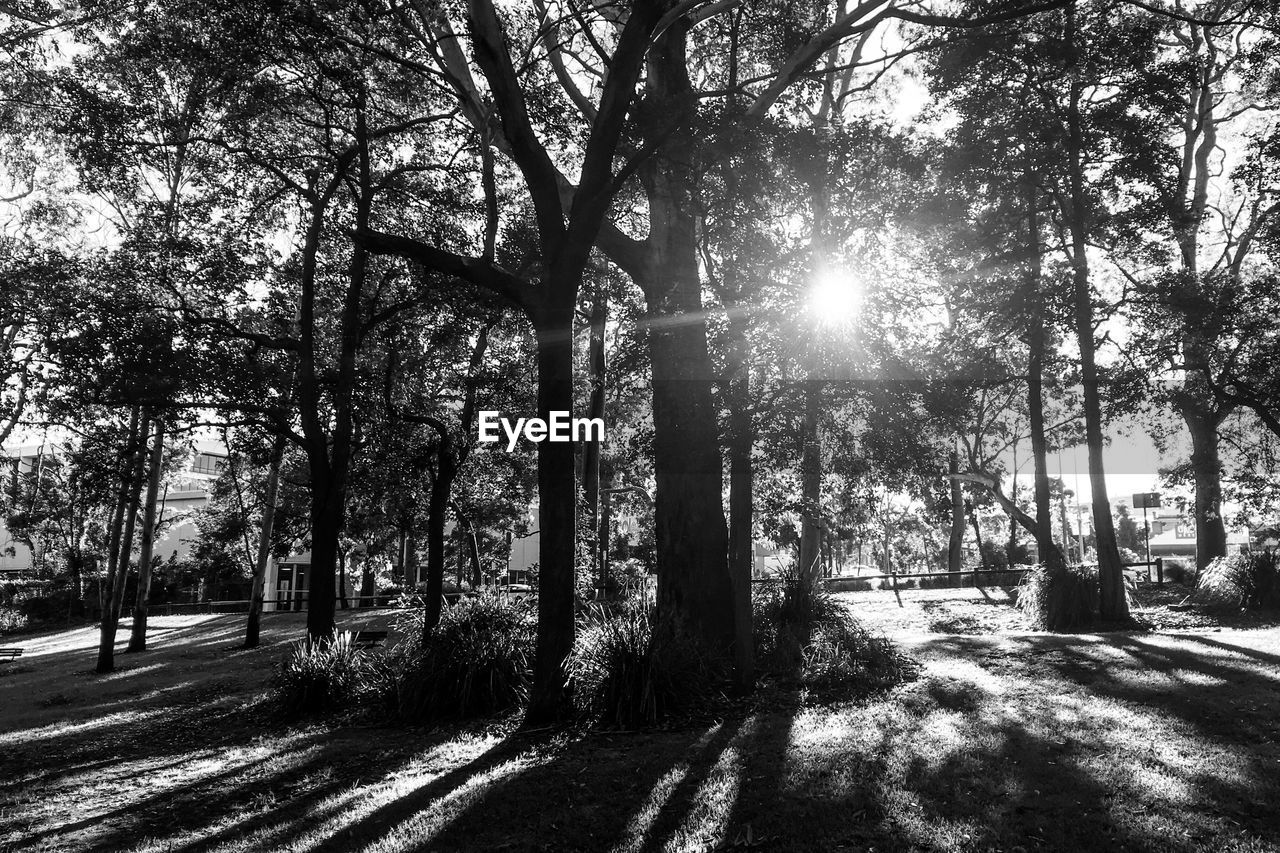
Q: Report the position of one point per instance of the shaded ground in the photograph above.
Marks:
(1012, 742)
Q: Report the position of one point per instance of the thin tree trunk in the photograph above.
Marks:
(591, 452)
(120, 544)
(138, 630)
(741, 441)
(811, 484)
(955, 543)
(253, 625)
(437, 504)
(472, 542)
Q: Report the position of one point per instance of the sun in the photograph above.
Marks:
(835, 298)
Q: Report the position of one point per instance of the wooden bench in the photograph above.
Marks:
(369, 639)
(10, 654)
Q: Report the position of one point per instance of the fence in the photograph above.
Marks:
(999, 577)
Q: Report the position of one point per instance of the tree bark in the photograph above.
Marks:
(694, 589)
(955, 543)
(741, 443)
(138, 630)
(1113, 604)
(1211, 530)
(811, 485)
(557, 523)
(120, 544)
(437, 504)
(591, 452)
(253, 625)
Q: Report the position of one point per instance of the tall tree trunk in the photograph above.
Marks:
(695, 595)
(741, 442)
(557, 523)
(253, 626)
(121, 541)
(811, 484)
(138, 630)
(591, 452)
(437, 504)
(328, 500)
(1211, 530)
(1049, 553)
(1113, 604)
(955, 542)
(472, 542)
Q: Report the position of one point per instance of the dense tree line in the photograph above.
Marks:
(336, 231)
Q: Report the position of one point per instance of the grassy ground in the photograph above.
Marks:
(1012, 741)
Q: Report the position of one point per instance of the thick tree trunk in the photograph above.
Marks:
(121, 542)
(253, 626)
(695, 594)
(1113, 604)
(138, 630)
(328, 500)
(1211, 530)
(811, 485)
(557, 523)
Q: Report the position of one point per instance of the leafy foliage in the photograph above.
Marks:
(1249, 580)
(806, 634)
(324, 676)
(475, 663)
(1059, 600)
(624, 673)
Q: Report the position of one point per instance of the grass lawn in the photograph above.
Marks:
(1012, 741)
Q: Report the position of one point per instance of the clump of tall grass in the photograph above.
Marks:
(1247, 580)
(1062, 600)
(802, 632)
(325, 676)
(475, 663)
(624, 672)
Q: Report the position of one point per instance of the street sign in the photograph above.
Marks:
(1146, 500)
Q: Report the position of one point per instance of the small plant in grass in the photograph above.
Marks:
(475, 663)
(802, 632)
(1062, 600)
(624, 673)
(1249, 580)
(325, 676)
(12, 620)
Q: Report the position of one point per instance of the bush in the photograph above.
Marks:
(806, 634)
(1250, 580)
(1060, 600)
(475, 663)
(12, 620)
(325, 676)
(1177, 571)
(624, 673)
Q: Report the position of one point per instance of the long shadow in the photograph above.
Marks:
(591, 794)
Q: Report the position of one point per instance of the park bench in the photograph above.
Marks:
(10, 654)
(369, 639)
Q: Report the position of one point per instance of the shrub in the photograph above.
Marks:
(12, 620)
(325, 676)
(806, 634)
(625, 673)
(1242, 580)
(1060, 600)
(1177, 571)
(475, 663)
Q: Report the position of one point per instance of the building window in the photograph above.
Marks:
(207, 463)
